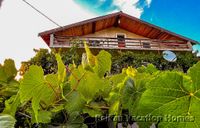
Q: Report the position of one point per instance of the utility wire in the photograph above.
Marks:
(41, 13)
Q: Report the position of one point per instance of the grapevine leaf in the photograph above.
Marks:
(167, 98)
(90, 85)
(10, 88)
(75, 120)
(7, 121)
(194, 73)
(34, 87)
(150, 68)
(81, 125)
(94, 108)
(87, 83)
(105, 89)
(92, 112)
(11, 105)
(90, 57)
(43, 117)
(52, 80)
(116, 79)
(134, 88)
(113, 96)
(103, 63)
(74, 103)
(61, 69)
(85, 62)
(3, 77)
(8, 70)
(115, 108)
(58, 108)
(131, 72)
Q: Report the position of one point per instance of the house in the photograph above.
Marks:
(116, 31)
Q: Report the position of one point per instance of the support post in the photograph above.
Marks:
(189, 45)
(51, 40)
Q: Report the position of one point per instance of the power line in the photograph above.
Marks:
(41, 13)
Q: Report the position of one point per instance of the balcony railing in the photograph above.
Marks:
(116, 43)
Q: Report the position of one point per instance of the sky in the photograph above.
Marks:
(20, 24)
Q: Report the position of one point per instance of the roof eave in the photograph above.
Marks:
(46, 33)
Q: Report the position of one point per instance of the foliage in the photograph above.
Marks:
(8, 85)
(7, 121)
(47, 59)
(120, 60)
(136, 59)
(77, 95)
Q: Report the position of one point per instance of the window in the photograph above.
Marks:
(146, 45)
(121, 40)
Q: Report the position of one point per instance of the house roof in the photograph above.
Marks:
(119, 19)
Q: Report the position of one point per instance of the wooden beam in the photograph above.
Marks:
(189, 44)
(117, 21)
(51, 40)
(93, 27)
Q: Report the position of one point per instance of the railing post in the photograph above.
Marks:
(140, 43)
(51, 40)
(159, 45)
(189, 45)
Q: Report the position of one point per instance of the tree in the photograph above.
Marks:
(46, 59)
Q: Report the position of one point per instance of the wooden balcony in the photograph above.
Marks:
(116, 43)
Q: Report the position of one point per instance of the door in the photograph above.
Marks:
(121, 40)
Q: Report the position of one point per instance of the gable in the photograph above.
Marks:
(120, 20)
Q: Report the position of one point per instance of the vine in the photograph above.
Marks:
(81, 96)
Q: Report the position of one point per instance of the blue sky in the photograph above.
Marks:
(180, 16)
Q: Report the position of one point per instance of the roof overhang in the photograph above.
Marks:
(118, 19)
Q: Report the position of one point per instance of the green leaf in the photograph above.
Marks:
(87, 83)
(129, 94)
(90, 57)
(103, 63)
(75, 120)
(11, 105)
(43, 117)
(34, 87)
(94, 108)
(7, 121)
(115, 108)
(167, 97)
(3, 76)
(85, 62)
(194, 73)
(53, 82)
(58, 108)
(8, 70)
(131, 72)
(74, 103)
(80, 125)
(10, 88)
(90, 85)
(117, 78)
(61, 69)
(150, 68)
(134, 88)
(92, 112)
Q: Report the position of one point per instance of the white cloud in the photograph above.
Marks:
(148, 3)
(20, 25)
(129, 7)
